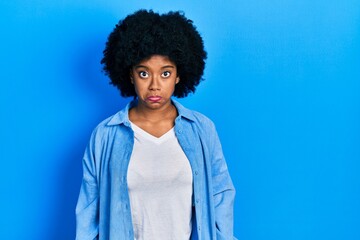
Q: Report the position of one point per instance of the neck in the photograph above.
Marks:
(155, 115)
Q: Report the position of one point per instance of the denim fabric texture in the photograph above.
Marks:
(103, 208)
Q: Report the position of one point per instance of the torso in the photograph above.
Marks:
(159, 182)
(159, 177)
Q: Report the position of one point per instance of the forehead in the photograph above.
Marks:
(156, 61)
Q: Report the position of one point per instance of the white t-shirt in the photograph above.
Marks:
(160, 187)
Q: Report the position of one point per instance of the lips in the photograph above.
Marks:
(154, 98)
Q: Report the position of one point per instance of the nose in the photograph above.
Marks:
(155, 83)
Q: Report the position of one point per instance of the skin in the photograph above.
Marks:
(154, 81)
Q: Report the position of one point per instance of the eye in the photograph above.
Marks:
(143, 74)
(166, 74)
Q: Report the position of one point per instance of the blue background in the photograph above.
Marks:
(282, 85)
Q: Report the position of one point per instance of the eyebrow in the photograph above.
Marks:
(142, 66)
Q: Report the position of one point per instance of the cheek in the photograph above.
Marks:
(138, 87)
(171, 89)
(170, 85)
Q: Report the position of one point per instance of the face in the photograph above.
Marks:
(154, 80)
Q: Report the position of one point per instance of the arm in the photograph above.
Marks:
(87, 217)
(223, 191)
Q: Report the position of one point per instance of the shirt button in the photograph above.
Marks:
(197, 200)
(179, 131)
(199, 228)
(196, 172)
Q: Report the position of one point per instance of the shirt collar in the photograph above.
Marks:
(122, 117)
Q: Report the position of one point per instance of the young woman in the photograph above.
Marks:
(155, 170)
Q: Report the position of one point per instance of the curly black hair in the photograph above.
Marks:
(145, 33)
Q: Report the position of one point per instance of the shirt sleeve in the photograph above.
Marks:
(87, 208)
(223, 191)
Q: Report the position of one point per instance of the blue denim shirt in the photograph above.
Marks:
(103, 208)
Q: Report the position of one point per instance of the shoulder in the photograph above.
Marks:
(101, 130)
(203, 123)
(202, 120)
(112, 123)
(111, 126)
(104, 124)
(205, 128)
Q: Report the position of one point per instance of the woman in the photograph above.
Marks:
(155, 170)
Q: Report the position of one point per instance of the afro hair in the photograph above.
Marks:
(145, 33)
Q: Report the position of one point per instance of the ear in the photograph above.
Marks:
(177, 80)
(131, 78)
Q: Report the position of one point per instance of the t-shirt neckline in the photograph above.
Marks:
(150, 137)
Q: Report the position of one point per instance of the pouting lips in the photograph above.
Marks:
(154, 98)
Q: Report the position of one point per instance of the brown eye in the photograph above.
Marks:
(166, 74)
(143, 74)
